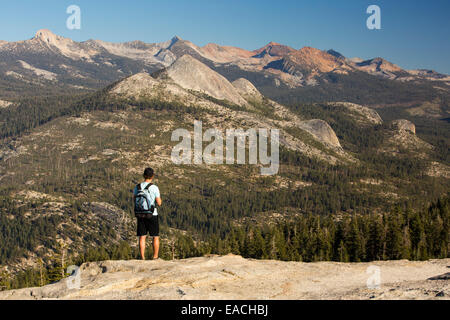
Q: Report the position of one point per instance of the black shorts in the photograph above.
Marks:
(148, 225)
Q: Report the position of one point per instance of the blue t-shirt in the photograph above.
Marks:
(152, 192)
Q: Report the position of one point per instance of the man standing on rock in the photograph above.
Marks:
(146, 196)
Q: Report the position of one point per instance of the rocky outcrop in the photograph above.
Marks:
(232, 277)
(273, 49)
(224, 54)
(307, 65)
(137, 50)
(190, 73)
(138, 85)
(5, 104)
(187, 75)
(403, 125)
(322, 131)
(66, 47)
(177, 81)
(360, 113)
(315, 60)
(378, 65)
(247, 89)
(319, 129)
(402, 141)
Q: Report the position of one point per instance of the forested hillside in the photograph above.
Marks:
(63, 191)
(399, 234)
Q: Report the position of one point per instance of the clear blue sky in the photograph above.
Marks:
(415, 34)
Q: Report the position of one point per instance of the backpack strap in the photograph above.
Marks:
(138, 186)
(148, 186)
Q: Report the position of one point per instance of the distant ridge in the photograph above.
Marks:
(92, 64)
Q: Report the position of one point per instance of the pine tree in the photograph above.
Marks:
(258, 246)
(354, 242)
(417, 233)
(5, 283)
(394, 235)
(375, 240)
(342, 251)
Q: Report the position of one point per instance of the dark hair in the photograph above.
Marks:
(148, 173)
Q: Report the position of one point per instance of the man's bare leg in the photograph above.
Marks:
(155, 247)
(142, 246)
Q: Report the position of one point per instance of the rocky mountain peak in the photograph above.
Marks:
(189, 73)
(46, 36)
(273, 49)
(136, 85)
(186, 73)
(315, 59)
(246, 88)
(336, 54)
(185, 61)
(379, 64)
(224, 54)
(169, 43)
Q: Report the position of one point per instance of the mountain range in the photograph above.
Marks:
(308, 74)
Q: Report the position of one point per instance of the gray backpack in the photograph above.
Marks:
(142, 205)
